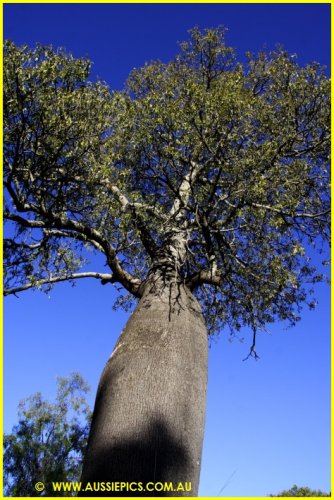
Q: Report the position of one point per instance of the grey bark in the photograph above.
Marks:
(148, 420)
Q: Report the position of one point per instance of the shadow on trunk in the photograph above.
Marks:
(154, 457)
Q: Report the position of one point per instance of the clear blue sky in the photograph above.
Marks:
(267, 424)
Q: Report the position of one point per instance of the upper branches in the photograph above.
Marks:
(219, 169)
(239, 159)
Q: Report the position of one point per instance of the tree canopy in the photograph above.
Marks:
(218, 168)
(48, 442)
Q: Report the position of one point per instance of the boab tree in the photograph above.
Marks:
(202, 184)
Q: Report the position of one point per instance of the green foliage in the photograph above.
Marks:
(48, 442)
(303, 491)
(219, 168)
(53, 128)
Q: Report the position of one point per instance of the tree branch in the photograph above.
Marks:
(252, 352)
(139, 223)
(86, 234)
(286, 214)
(25, 222)
(126, 205)
(184, 190)
(204, 277)
(105, 278)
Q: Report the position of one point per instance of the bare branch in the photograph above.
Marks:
(252, 352)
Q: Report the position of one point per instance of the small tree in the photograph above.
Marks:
(303, 491)
(203, 184)
(48, 442)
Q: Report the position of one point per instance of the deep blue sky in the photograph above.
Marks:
(267, 424)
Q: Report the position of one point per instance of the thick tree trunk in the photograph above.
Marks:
(148, 420)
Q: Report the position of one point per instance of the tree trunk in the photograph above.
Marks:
(148, 419)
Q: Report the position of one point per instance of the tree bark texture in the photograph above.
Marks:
(148, 420)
